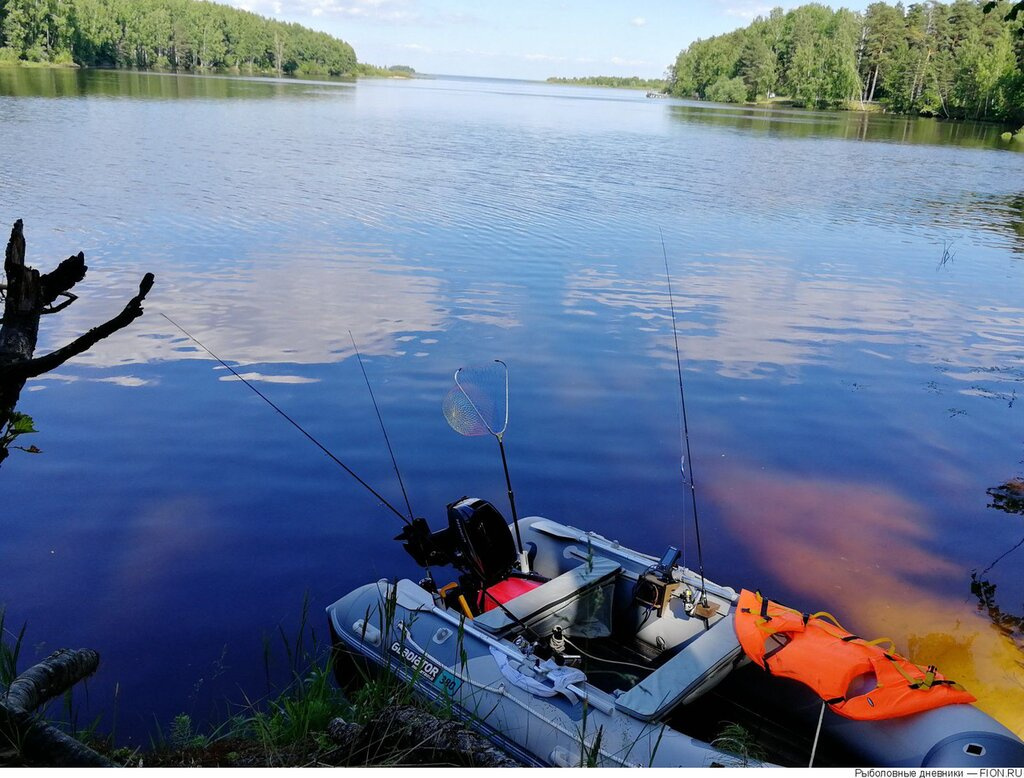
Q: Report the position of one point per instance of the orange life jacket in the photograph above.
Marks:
(818, 652)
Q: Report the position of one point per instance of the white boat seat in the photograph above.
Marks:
(697, 664)
(579, 601)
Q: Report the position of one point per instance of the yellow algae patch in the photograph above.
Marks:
(857, 552)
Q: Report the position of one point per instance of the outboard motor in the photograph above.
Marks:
(425, 547)
(478, 543)
(483, 544)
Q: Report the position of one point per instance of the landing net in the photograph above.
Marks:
(478, 403)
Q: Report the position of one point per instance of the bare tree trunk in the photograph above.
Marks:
(34, 740)
(874, 83)
(30, 295)
(27, 296)
(50, 678)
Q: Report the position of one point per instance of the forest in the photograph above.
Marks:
(164, 34)
(958, 60)
(620, 82)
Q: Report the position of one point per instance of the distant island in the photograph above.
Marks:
(619, 82)
(389, 71)
(182, 35)
(957, 60)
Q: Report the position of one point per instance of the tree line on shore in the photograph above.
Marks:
(174, 34)
(958, 60)
(620, 82)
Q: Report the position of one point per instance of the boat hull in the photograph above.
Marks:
(483, 669)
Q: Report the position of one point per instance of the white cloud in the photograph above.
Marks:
(459, 18)
(379, 11)
(389, 11)
(749, 13)
(633, 63)
(543, 58)
(638, 21)
(746, 9)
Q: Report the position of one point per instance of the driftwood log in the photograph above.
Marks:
(31, 738)
(27, 296)
(408, 735)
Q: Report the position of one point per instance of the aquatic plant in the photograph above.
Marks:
(1008, 497)
(10, 650)
(737, 740)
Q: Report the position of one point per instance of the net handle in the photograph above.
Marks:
(483, 418)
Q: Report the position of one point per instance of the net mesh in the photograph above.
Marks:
(478, 403)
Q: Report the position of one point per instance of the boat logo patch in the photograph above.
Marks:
(426, 667)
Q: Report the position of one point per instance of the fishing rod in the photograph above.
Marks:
(410, 522)
(686, 429)
(294, 423)
(410, 525)
(380, 419)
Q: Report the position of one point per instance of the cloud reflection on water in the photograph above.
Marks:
(863, 553)
(275, 307)
(270, 379)
(119, 380)
(757, 315)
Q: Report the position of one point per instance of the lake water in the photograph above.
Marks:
(850, 300)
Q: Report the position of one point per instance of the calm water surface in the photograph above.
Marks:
(849, 293)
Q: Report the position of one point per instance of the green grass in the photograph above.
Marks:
(737, 740)
(67, 719)
(10, 650)
(288, 725)
(285, 727)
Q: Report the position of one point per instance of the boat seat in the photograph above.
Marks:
(579, 601)
(697, 667)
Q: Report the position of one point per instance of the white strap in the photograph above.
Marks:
(560, 677)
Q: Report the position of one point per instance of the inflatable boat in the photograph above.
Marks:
(578, 651)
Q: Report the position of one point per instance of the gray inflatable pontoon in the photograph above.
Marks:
(612, 657)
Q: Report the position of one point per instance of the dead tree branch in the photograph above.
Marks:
(35, 367)
(33, 739)
(26, 297)
(50, 678)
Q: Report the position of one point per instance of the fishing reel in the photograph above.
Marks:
(554, 649)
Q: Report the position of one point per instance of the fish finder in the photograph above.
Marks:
(655, 587)
(668, 561)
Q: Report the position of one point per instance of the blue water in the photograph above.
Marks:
(848, 294)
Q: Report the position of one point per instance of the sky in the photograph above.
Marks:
(531, 39)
